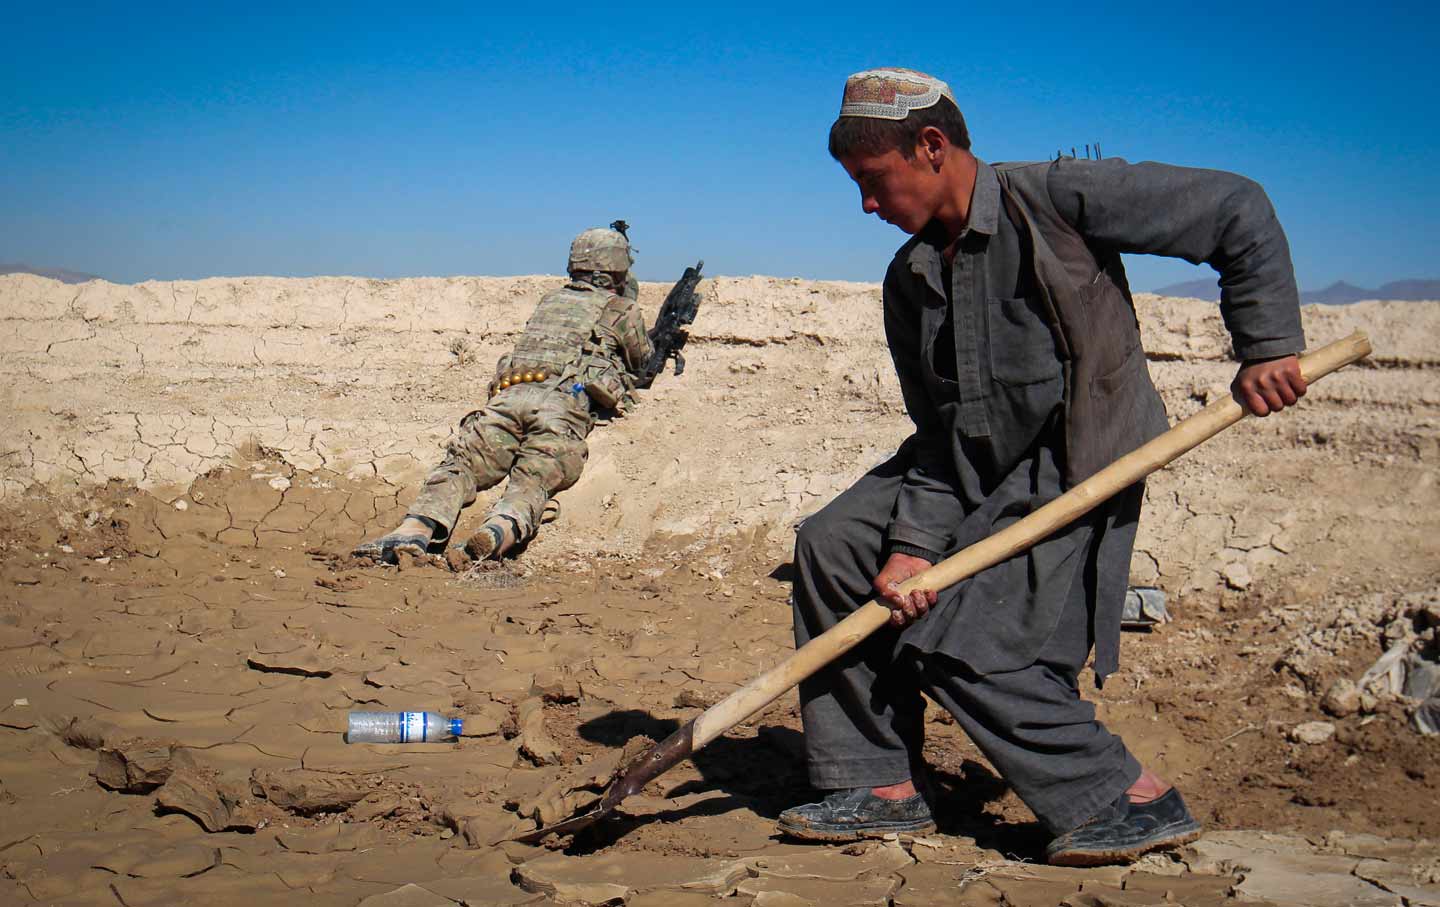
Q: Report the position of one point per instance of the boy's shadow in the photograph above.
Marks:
(766, 775)
(784, 573)
(760, 774)
(960, 801)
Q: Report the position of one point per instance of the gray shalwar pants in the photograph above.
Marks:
(864, 715)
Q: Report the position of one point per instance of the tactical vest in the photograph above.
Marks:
(560, 324)
(601, 367)
(566, 340)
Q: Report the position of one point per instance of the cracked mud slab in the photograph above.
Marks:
(244, 737)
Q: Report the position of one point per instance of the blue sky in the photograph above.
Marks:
(189, 140)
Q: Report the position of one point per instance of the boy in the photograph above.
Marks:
(1014, 337)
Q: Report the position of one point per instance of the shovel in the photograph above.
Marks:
(633, 775)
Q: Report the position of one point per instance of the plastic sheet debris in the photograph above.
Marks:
(1144, 608)
(1413, 674)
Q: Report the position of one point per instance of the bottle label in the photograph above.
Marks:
(412, 727)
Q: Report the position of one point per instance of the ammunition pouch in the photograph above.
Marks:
(606, 384)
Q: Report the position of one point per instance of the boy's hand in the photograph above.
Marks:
(904, 609)
(1265, 386)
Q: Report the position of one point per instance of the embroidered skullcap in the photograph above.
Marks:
(891, 93)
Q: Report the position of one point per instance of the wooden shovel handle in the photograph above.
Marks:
(1009, 541)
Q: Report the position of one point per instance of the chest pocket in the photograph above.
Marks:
(1022, 350)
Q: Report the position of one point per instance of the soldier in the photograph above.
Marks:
(583, 349)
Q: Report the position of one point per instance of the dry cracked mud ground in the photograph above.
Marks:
(186, 463)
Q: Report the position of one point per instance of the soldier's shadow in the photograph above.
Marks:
(766, 775)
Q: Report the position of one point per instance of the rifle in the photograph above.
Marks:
(668, 335)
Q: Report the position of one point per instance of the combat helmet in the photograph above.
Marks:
(600, 250)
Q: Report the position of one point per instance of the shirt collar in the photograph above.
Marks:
(984, 217)
(985, 200)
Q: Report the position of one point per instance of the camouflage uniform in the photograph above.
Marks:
(589, 344)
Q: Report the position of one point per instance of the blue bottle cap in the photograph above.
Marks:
(455, 726)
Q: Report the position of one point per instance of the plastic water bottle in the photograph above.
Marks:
(401, 727)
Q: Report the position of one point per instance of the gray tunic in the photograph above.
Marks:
(984, 386)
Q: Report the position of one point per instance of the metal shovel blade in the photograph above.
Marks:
(629, 778)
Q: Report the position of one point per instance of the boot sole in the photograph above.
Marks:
(381, 550)
(1119, 855)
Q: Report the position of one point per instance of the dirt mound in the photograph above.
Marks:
(183, 635)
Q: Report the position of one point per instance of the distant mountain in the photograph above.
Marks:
(1338, 293)
(1409, 289)
(59, 274)
(1192, 289)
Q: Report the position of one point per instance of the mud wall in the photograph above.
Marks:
(788, 396)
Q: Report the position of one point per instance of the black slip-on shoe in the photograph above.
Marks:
(1123, 831)
(850, 815)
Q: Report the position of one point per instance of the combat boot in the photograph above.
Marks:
(495, 536)
(413, 536)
